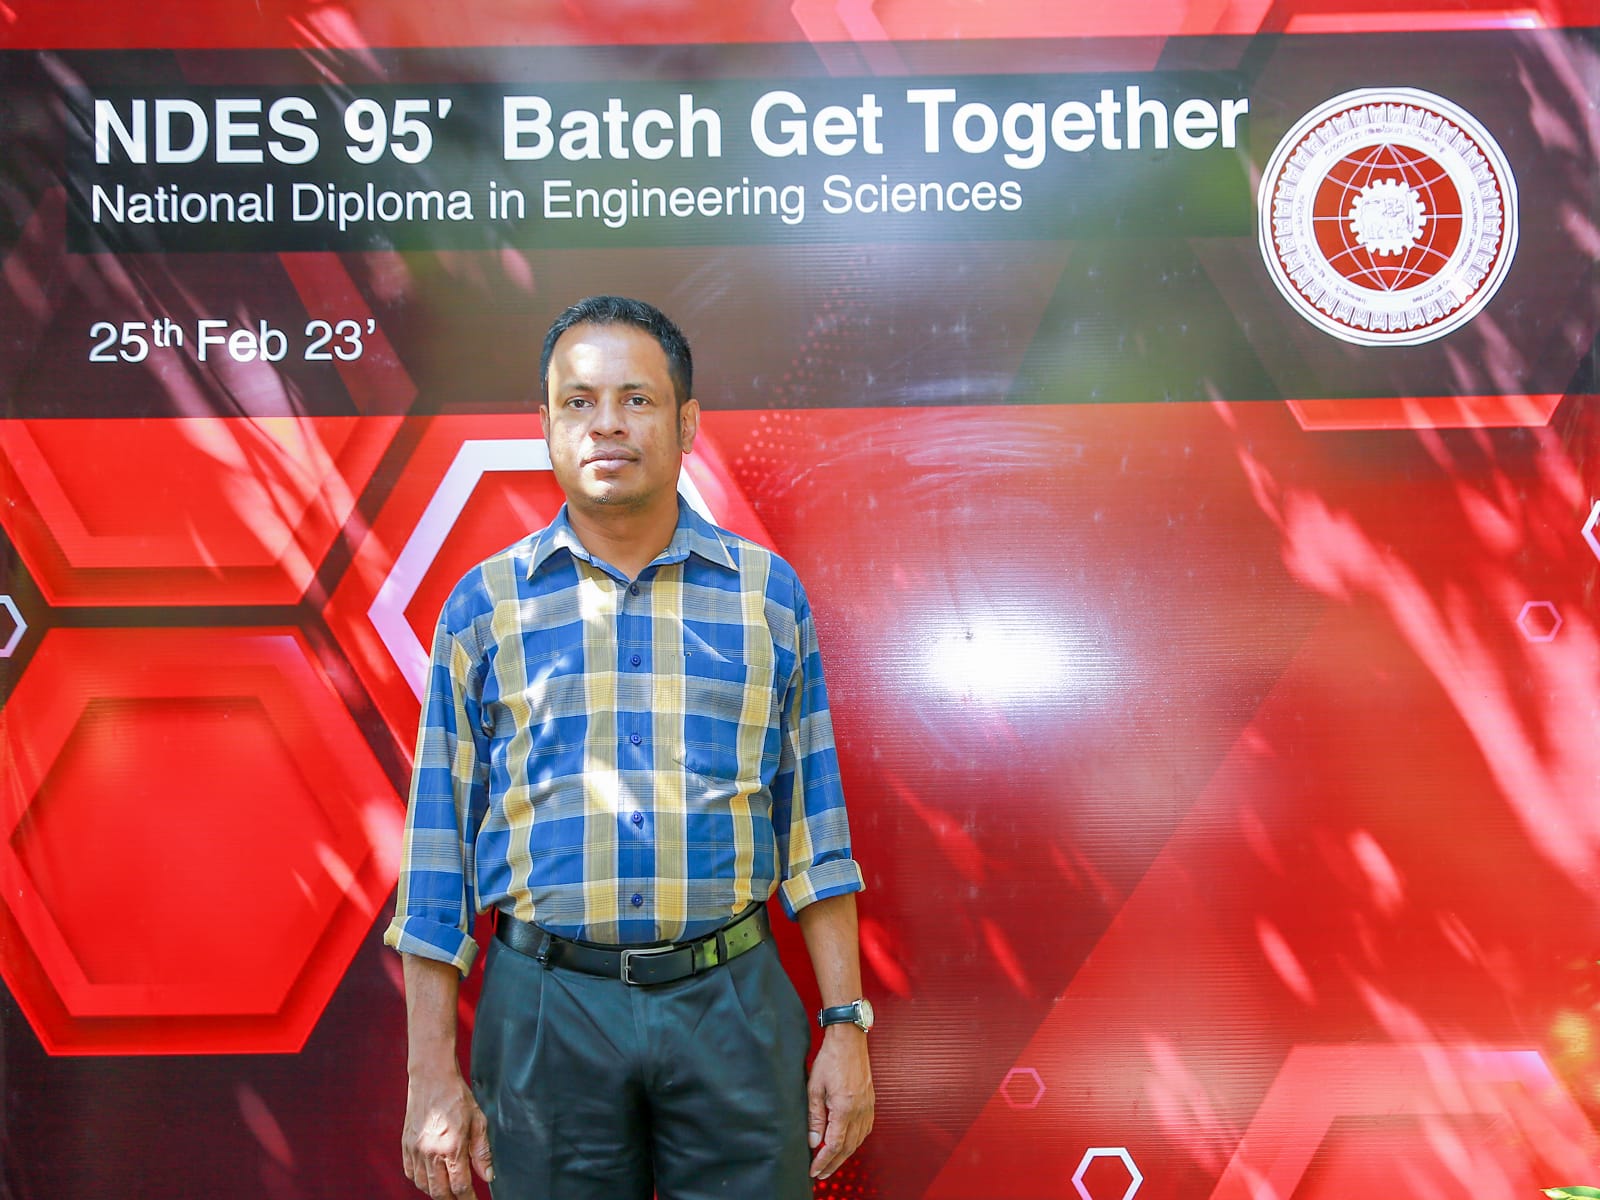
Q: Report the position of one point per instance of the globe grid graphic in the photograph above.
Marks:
(1419, 175)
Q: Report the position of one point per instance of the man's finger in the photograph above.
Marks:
(438, 1180)
(833, 1148)
(417, 1172)
(450, 1179)
(817, 1115)
(482, 1159)
(847, 1129)
(827, 1162)
(460, 1175)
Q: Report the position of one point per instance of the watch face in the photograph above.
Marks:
(864, 1015)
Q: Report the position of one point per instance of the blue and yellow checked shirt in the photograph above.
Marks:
(621, 763)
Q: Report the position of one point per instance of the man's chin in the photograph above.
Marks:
(603, 496)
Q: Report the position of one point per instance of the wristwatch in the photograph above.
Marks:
(857, 1013)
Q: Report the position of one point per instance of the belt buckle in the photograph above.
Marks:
(627, 962)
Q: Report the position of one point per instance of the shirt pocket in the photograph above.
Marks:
(729, 709)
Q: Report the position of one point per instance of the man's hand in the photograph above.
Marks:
(445, 1131)
(840, 1089)
(840, 1098)
(446, 1136)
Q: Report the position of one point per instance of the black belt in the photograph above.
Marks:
(642, 967)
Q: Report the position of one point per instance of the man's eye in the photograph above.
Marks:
(638, 401)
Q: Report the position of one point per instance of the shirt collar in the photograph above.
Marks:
(694, 535)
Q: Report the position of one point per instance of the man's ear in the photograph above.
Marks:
(688, 424)
(544, 420)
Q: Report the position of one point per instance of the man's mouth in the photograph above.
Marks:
(606, 458)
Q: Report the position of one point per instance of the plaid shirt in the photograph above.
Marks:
(621, 763)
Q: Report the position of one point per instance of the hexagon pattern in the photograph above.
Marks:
(190, 511)
(18, 627)
(214, 783)
(1539, 621)
(158, 760)
(1022, 1088)
(1134, 1177)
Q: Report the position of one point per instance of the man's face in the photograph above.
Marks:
(616, 433)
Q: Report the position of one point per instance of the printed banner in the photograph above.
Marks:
(1183, 423)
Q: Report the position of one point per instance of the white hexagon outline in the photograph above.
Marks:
(1135, 1176)
(475, 458)
(1588, 529)
(1037, 1096)
(1554, 629)
(10, 605)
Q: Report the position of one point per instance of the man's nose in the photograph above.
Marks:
(608, 414)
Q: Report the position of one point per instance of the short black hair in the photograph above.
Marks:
(620, 310)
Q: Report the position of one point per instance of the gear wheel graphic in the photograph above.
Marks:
(1387, 217)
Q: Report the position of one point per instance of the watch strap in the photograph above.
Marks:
(841, 1014)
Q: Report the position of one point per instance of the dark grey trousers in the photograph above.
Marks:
(595, 1090)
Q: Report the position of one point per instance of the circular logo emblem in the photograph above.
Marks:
(1388, 216)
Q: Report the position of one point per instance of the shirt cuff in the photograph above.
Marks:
(429, 939)
(836, 877)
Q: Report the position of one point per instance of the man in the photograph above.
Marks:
(625, 749)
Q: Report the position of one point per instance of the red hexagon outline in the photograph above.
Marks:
(1005, 1088)
(1522, 619)
(84, 998)
(74, 565)
(1135, 1176)
(36, 723)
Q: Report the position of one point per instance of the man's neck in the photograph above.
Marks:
(628, 539)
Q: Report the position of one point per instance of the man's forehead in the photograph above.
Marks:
(588, 348)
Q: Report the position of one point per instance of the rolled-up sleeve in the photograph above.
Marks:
(808, 809)
(437, 896)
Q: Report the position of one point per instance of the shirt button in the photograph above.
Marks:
(633, 589)
(635, 660)
(637, 900)
(638, 818)
(635, 738)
